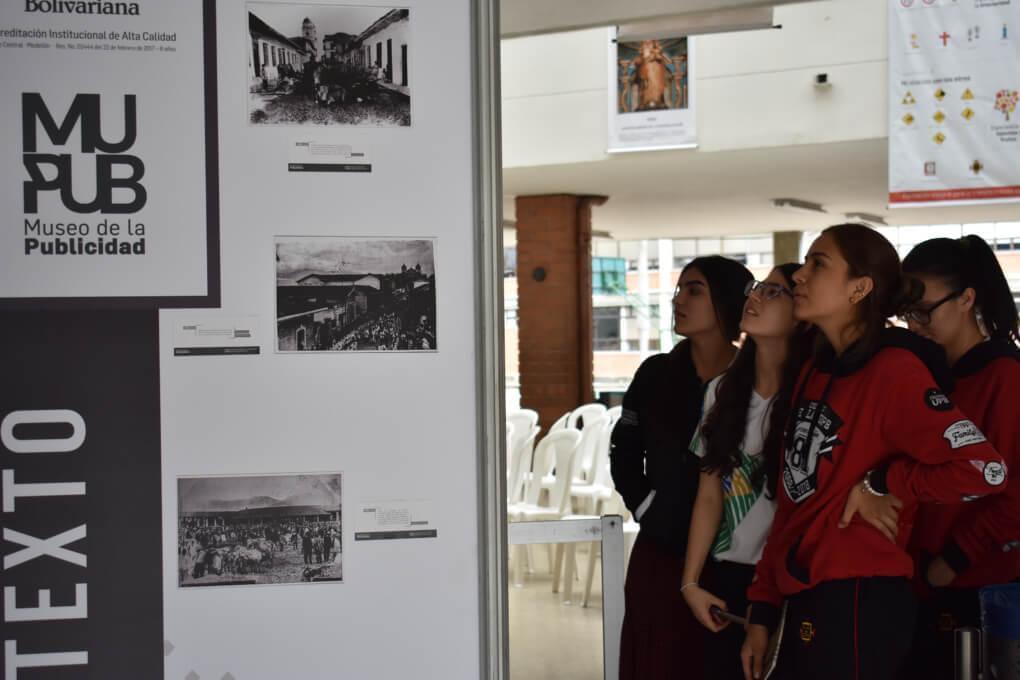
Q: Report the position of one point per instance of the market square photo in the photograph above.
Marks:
(343, 294)
(328, 65)
(259, 529)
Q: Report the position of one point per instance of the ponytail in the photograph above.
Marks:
(969, 262)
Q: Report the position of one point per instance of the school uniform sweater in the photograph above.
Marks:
(649, 450)
(855, 414)
(980, 540)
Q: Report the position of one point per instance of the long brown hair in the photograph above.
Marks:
(870, 254)
(726, 423)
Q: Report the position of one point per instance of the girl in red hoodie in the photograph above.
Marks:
(868, 396)
(968, 309)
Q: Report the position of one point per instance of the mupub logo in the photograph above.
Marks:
(85, 113)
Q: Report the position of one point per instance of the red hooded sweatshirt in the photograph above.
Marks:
(979, 540)
(855, 414)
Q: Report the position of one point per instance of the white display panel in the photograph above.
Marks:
(399, 425)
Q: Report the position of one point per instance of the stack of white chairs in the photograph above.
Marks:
(520, 452)
(557, 450)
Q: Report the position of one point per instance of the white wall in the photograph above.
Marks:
(755, 89)
(400, 34)
(398, 425)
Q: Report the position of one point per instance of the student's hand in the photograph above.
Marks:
(752, 653)
(940, 574)
(881, 512)
(700, 601)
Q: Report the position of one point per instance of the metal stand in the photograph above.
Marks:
(609, 531)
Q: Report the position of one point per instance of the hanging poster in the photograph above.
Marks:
(954, 84)
(651, 94)
(108, 179)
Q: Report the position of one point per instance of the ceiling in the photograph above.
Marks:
(670, 194)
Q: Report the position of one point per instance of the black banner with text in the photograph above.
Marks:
(81, 501)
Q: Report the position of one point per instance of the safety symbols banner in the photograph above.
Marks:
(954, 84)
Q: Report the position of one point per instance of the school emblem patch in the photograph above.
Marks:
(806, 444)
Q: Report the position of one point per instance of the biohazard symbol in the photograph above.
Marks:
(939, 117)
(967, 95)
(908, 119)
(938, 138)
(967, 113)
(940, 94)
(807, 631)
(908, 99)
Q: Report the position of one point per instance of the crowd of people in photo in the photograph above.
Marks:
(222, 548)
(386, 333)
(820, 468)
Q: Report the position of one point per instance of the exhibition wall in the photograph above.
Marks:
(285, 460)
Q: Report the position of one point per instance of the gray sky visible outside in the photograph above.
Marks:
(298, 255)
(288, 19)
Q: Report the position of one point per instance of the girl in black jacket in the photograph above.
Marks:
(657, 475)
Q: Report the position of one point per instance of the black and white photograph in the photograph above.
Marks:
(342, 294)
(259, 529)
(328, 65)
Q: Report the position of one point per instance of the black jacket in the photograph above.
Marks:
(651, 441)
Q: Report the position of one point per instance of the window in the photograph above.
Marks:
(509, 261)
(608, 275)
(606, 328)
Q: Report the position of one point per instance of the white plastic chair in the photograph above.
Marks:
(561, 422)
(598, 487)
(582, 414)
(556, 450)
(614, 505)
(520, 467)
(522, 420)
(614, 414)
(586, 452)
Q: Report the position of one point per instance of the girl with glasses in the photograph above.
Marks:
(656, 475)
(867, 405)
(968, 309)
(738, 443)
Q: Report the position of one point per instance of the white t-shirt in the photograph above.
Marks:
(747, 512)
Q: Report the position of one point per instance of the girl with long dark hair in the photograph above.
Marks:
(657, 476)
(958, 548)
(738, 442)
(867, 397)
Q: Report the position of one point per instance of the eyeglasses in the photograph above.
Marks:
(768, 291)
(922, 316)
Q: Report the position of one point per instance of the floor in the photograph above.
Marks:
(549, 639)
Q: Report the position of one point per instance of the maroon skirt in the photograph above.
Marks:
(661, 639)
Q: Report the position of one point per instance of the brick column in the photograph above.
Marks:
(554, 301)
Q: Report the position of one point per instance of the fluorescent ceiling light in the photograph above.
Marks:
(676, 26)
(797, 205)
(866, 217)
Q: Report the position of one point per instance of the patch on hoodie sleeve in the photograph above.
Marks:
(936, 400)
(995, 473)
(963, 433)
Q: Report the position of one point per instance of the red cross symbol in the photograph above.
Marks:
(945, 38)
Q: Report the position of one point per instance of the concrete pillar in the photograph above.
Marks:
(786, 246)
(554, 303)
